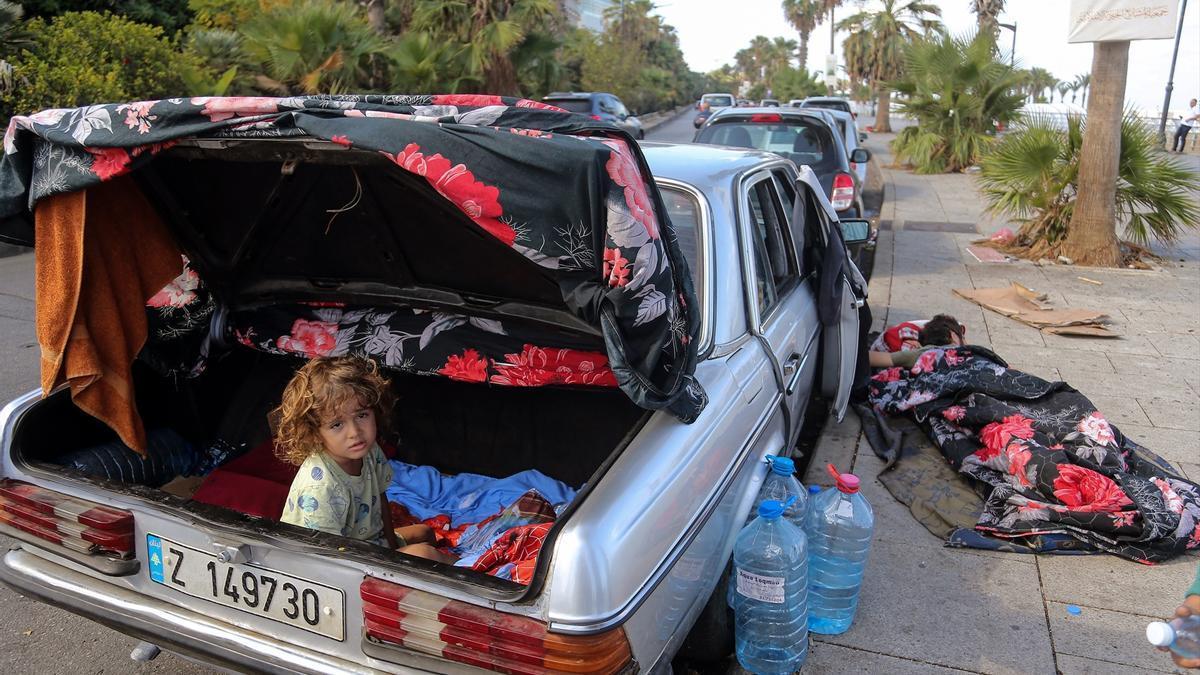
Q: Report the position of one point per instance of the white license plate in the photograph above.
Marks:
(255, 590)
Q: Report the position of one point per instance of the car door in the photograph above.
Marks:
(813, 234)
(775, 295)
(839, 337)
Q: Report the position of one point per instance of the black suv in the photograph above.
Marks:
(600, 106)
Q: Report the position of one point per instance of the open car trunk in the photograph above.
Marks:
(568, 434)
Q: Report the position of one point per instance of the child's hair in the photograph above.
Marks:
(939, 329)
(315, 392)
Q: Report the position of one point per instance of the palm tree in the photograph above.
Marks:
(780, 57)
(1083, 82)
(1039, 81)
(958, 91)
(884, 34)
(311, 47)
(1063, 87)
(987, 13)
(803, 15)
(1092, 235)
(487, 33)
(1032, 176)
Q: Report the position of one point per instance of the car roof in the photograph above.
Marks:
(701, 164)
(578, 95)
(822, 99)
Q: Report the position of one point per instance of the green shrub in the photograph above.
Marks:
(958, 92)
(1031, 175)
(170, 14)
(80, 58)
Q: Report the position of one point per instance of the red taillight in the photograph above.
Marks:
(843, 192)
(79, 525)
(766, 117)
(596, 117)
(485, 638)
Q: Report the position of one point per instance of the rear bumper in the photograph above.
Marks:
(163, 624)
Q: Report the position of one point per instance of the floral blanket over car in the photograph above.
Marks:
(572, 195)
(1047, 459)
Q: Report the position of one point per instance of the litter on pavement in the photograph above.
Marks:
(1034, 309)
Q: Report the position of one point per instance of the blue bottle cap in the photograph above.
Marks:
(770, 508)
(783, 466)
(1074, 610)
(814, 489)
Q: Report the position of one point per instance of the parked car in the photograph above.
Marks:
(716, 101)
(853, 139)
(795, 103)
(806, 137)
(769, 103)
(834, 102)
(599, 106)
(630, 568)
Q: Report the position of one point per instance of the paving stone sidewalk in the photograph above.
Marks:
(930, 609)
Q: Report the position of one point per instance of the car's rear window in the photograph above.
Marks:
(575, 105)
(726, 101)
(684, 212)
(802, 141)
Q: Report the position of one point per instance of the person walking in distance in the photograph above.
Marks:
(1185, 125)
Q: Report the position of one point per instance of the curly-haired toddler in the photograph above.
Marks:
(327, 424)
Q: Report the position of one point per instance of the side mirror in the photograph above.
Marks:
(860, 156)
(855, 230)
(862, 137)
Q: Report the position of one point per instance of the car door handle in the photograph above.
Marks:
(793, 369)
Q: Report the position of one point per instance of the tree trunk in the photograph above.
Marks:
(883, 112)
(1092, 235)
(804, 53)
(500, 77)
(376, 12)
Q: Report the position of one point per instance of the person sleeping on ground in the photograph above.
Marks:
(942, 330)
(327, 424)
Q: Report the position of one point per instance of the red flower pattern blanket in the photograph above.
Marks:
(1046, 458)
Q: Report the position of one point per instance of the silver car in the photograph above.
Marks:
(631, 569)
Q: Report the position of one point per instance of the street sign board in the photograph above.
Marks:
(1117, 20)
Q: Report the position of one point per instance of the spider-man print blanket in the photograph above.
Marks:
(1046, 458)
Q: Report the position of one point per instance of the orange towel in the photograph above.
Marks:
(100, 254)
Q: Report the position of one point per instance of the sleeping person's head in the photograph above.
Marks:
(943, 330)
(335, 405)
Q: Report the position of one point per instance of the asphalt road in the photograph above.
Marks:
(678, 129)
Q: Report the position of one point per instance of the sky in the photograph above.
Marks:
(712, 31)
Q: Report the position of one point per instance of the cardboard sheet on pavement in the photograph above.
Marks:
(1032, 308)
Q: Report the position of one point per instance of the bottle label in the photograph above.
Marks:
(845, 509)
(757, 587)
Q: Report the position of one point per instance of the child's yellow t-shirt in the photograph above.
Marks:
(324, 497)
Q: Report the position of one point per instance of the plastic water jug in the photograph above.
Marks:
(770, 563)
(839, 528)
(1181, 635)
(780, 485)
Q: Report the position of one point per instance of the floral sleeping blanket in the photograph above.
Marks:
(1045, 457)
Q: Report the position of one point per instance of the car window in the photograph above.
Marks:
(575, 105)
(684, 212)
(804, 141)
(619, 108)
(717, 100)
(606, 104)
(774, 265)
(833, 105)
